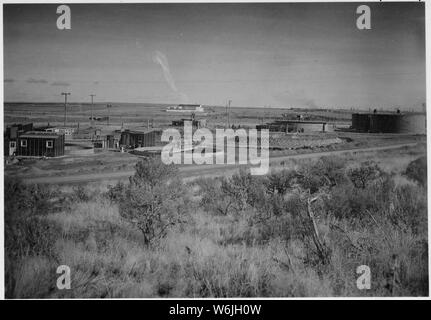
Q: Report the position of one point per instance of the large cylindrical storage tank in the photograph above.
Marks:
(355, 120)
(412, 123)
(385, 123)
(361, 122)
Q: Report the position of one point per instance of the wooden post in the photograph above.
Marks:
(315, 232)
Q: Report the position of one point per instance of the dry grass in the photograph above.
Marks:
(213, 255)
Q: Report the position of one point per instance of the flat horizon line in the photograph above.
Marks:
(214, 106)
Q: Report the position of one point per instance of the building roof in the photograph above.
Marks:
(40, 134)
(278, 122)
(378, 113)
(62, 128)
(140, 130)
(19, 124)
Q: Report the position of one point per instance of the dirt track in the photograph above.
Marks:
(193, 171)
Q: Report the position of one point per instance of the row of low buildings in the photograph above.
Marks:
(24, 141)
(186, 108)
(128, 139)
(292, 126)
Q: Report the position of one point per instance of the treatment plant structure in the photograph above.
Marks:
(384, 122)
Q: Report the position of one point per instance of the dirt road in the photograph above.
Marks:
(193, 171)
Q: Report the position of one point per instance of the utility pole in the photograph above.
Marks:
(92, 106)
(108, 106)
(65, 94)
(227, 112)
(227, 125)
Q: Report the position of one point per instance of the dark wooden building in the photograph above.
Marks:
(40, 144)
(11, 136)
(137, 139)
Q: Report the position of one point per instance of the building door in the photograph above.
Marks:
(12, 148)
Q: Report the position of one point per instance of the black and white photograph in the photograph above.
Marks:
(204, 150)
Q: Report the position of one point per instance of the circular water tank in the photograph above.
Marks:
(361, 122)
(412, 123)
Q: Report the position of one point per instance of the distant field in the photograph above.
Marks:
(127, 113)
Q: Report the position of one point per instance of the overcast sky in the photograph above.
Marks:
(254, 54)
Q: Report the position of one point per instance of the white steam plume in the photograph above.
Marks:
(160, 58)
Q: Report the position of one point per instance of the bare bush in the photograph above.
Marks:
(80, 194)
(280, 182)
(326, 172)
(23, 200)
(117, 192)
(365, 174)
(213, 200)
(243, 191)
(417, 171)
(154, 201)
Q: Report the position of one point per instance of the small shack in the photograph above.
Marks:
(196, 123)
(131, 139)
(40, 144)
(109, 141)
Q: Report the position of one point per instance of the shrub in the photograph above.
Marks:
(348, 202)
(31, 236)
(29, 239)
(32, 277)
(326, 172)
(417, 171)
(408, 209)
(80, 194)
(244, 190)
(281, 218)
(363, 175)
(153, 201)
(22, 200)
(117, 192)
(152, 172)
(213, 200)
(280, 182)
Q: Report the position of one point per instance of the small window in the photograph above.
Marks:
(49, 144)
(12, 144)
(24, 143)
